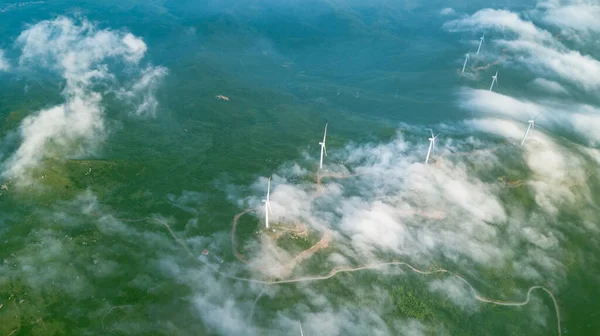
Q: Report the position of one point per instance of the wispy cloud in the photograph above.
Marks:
(549, 86)
(533, 47)
(397, 206)
(576, 118)
(447, 11)
(142, 93)
(82, 54)
(501, 20)
(459, 213)
(4, 65)
(400, 215)
(580, 16)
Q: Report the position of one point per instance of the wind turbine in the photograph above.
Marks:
(480, 42)
(431, 145)
(494, 80)
(268, 204)
(323, 149)
(300, 324)
(530, 126)
(465, 64)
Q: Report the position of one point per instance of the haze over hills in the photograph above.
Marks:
(137, 139)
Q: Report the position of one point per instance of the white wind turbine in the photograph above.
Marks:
(480, 42)
(431, 145)
(268, 204)
(465, 64)
(530, 126)
(494, 80)
(323, 149)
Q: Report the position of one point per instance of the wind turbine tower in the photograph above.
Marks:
(267, 204)
(529, 127)
(494, 80)
(480, 42)
(301, 333)
(323, 148)
(431, 146)
(465, 64)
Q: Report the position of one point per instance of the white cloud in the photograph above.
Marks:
(455, 213)
(447, 11)
(580, 16)
(142, 92)
(4, 65)
(500, 127)
(587, 125)
(581, 70)
(76, 126)
(222, 315)
(533, 47)
(455, 290)
(493, 103)
(394, 194)
(549, 86)
(554, 169)
(580, 119)
(501, 20)
(81, 54)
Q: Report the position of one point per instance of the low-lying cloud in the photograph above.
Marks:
(566, 116)
(4, 65)
(549, 86)
(83, 55)
(533, 47)
(486, 207)
(579, 16)
(451, 214)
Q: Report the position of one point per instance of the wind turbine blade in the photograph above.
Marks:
(428, 152)
(321, 159)
(325, 150)
(301, 333)
(537, 116)
(267, 215)
(525, 136)
(325, 135)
